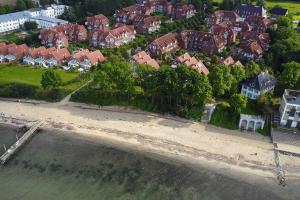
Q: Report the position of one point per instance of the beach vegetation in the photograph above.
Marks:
(181, 91)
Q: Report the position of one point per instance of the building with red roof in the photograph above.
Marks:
(97, 22)
(144, 59)
(165, 44)
(192, 62)
(115, 37)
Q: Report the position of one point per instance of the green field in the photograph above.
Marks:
(292, 6)
(29, 75)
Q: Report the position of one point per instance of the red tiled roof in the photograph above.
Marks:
(143, 58)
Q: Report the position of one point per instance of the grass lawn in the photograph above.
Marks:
(292, 6)
(29, 75)
(11, 38)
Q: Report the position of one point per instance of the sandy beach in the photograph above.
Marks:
(238, 155)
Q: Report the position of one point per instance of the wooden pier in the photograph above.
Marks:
(14, 148)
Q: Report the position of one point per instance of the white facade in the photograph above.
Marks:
(251, 122)
(14, 21)
(290, 109)
(249, 92)
(47, 22)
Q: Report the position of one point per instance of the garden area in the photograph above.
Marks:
(18, 81)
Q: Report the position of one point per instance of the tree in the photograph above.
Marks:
(221, 80)
(260, 3)
(238, 102)
(50, 79)
(252, 69)
(20, 5)
(290, 77)
(30, 4)
(30, 25)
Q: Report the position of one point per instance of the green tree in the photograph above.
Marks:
(252, 69)
(260, 2)
(290, 77)
(238, 102)
(30, 4)
(221, 80)
(50, 79)
(20, 5)
(30, 25)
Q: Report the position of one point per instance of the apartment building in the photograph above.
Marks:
(15, 21)
(290, 109)
(119, 34)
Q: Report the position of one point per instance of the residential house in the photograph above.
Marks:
(163, 45)
(183, 11)
(230, 62)
(17, 52)
(224, 30)
(97, 22)
(246, 10)
(220, 16)
(259, 24)
(32, 54)
(74, 32)
(143, 58)
(252, 45)
(207, 43)
(261, 83)
(290, 109)
(191, 62)
(86, 59)
(57, 57)
(118, 35)
(53, 38)
(159, 6)
(278, 12)
(148, 25)
(125, 15)
(4, 50)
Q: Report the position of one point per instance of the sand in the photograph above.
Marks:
(239, 155)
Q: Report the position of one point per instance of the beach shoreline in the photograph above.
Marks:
(229, 153)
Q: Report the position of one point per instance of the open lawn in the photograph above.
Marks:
(292, 6)
(29, 75)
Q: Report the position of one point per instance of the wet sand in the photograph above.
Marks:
(66, 165)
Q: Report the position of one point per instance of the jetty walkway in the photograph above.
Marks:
(14, 148)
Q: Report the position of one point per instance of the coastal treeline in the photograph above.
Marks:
(181, 91)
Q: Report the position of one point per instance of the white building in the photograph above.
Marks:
(290, 109)
(15, 21)
(251, 122)
(47, 22)
(262, 83)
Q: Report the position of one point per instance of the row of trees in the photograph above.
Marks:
(181, 91)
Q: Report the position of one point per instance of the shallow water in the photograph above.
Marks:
(65, 166)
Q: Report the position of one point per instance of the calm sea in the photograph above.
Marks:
(64, 166)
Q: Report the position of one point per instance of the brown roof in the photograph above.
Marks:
(192, 62)
(143, 58)
(95, 57)
(165, 40)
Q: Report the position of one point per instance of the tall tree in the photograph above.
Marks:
(237, 103)
(50, 79)
(20, 5)
(221, 80)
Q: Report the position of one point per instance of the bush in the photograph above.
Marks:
(17, 90)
